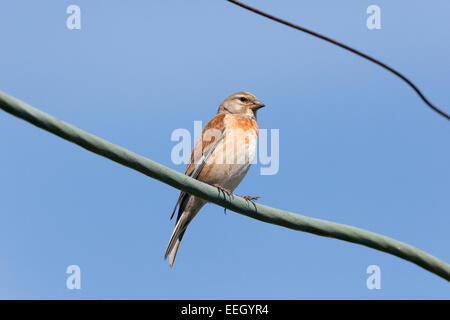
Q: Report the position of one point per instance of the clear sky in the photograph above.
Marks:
(357, 146)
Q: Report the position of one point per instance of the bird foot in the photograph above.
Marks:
(249, 198)
(228, 192)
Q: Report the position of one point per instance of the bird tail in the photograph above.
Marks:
(176, 237)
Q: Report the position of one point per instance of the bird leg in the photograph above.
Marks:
(228, 192)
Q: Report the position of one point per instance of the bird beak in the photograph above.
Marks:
(257, 105)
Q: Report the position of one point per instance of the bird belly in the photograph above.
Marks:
(230, 161)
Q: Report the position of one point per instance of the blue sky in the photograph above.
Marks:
(357, 146)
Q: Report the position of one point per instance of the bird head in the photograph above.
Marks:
(241, 103)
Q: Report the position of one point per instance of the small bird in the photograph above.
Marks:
(221, 157)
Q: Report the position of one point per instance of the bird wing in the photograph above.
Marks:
(211, 136)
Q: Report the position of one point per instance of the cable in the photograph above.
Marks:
(209, 193)
(339, 44)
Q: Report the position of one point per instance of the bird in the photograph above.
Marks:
(221, 157)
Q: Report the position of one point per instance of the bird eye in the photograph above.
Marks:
(243, 99)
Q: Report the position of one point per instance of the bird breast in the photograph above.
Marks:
(233, 156)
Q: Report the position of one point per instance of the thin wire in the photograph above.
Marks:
(339, 44)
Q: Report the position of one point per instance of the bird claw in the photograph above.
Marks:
(228, 192)
(249, 198)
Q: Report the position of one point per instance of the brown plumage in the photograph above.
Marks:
(221, 156)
